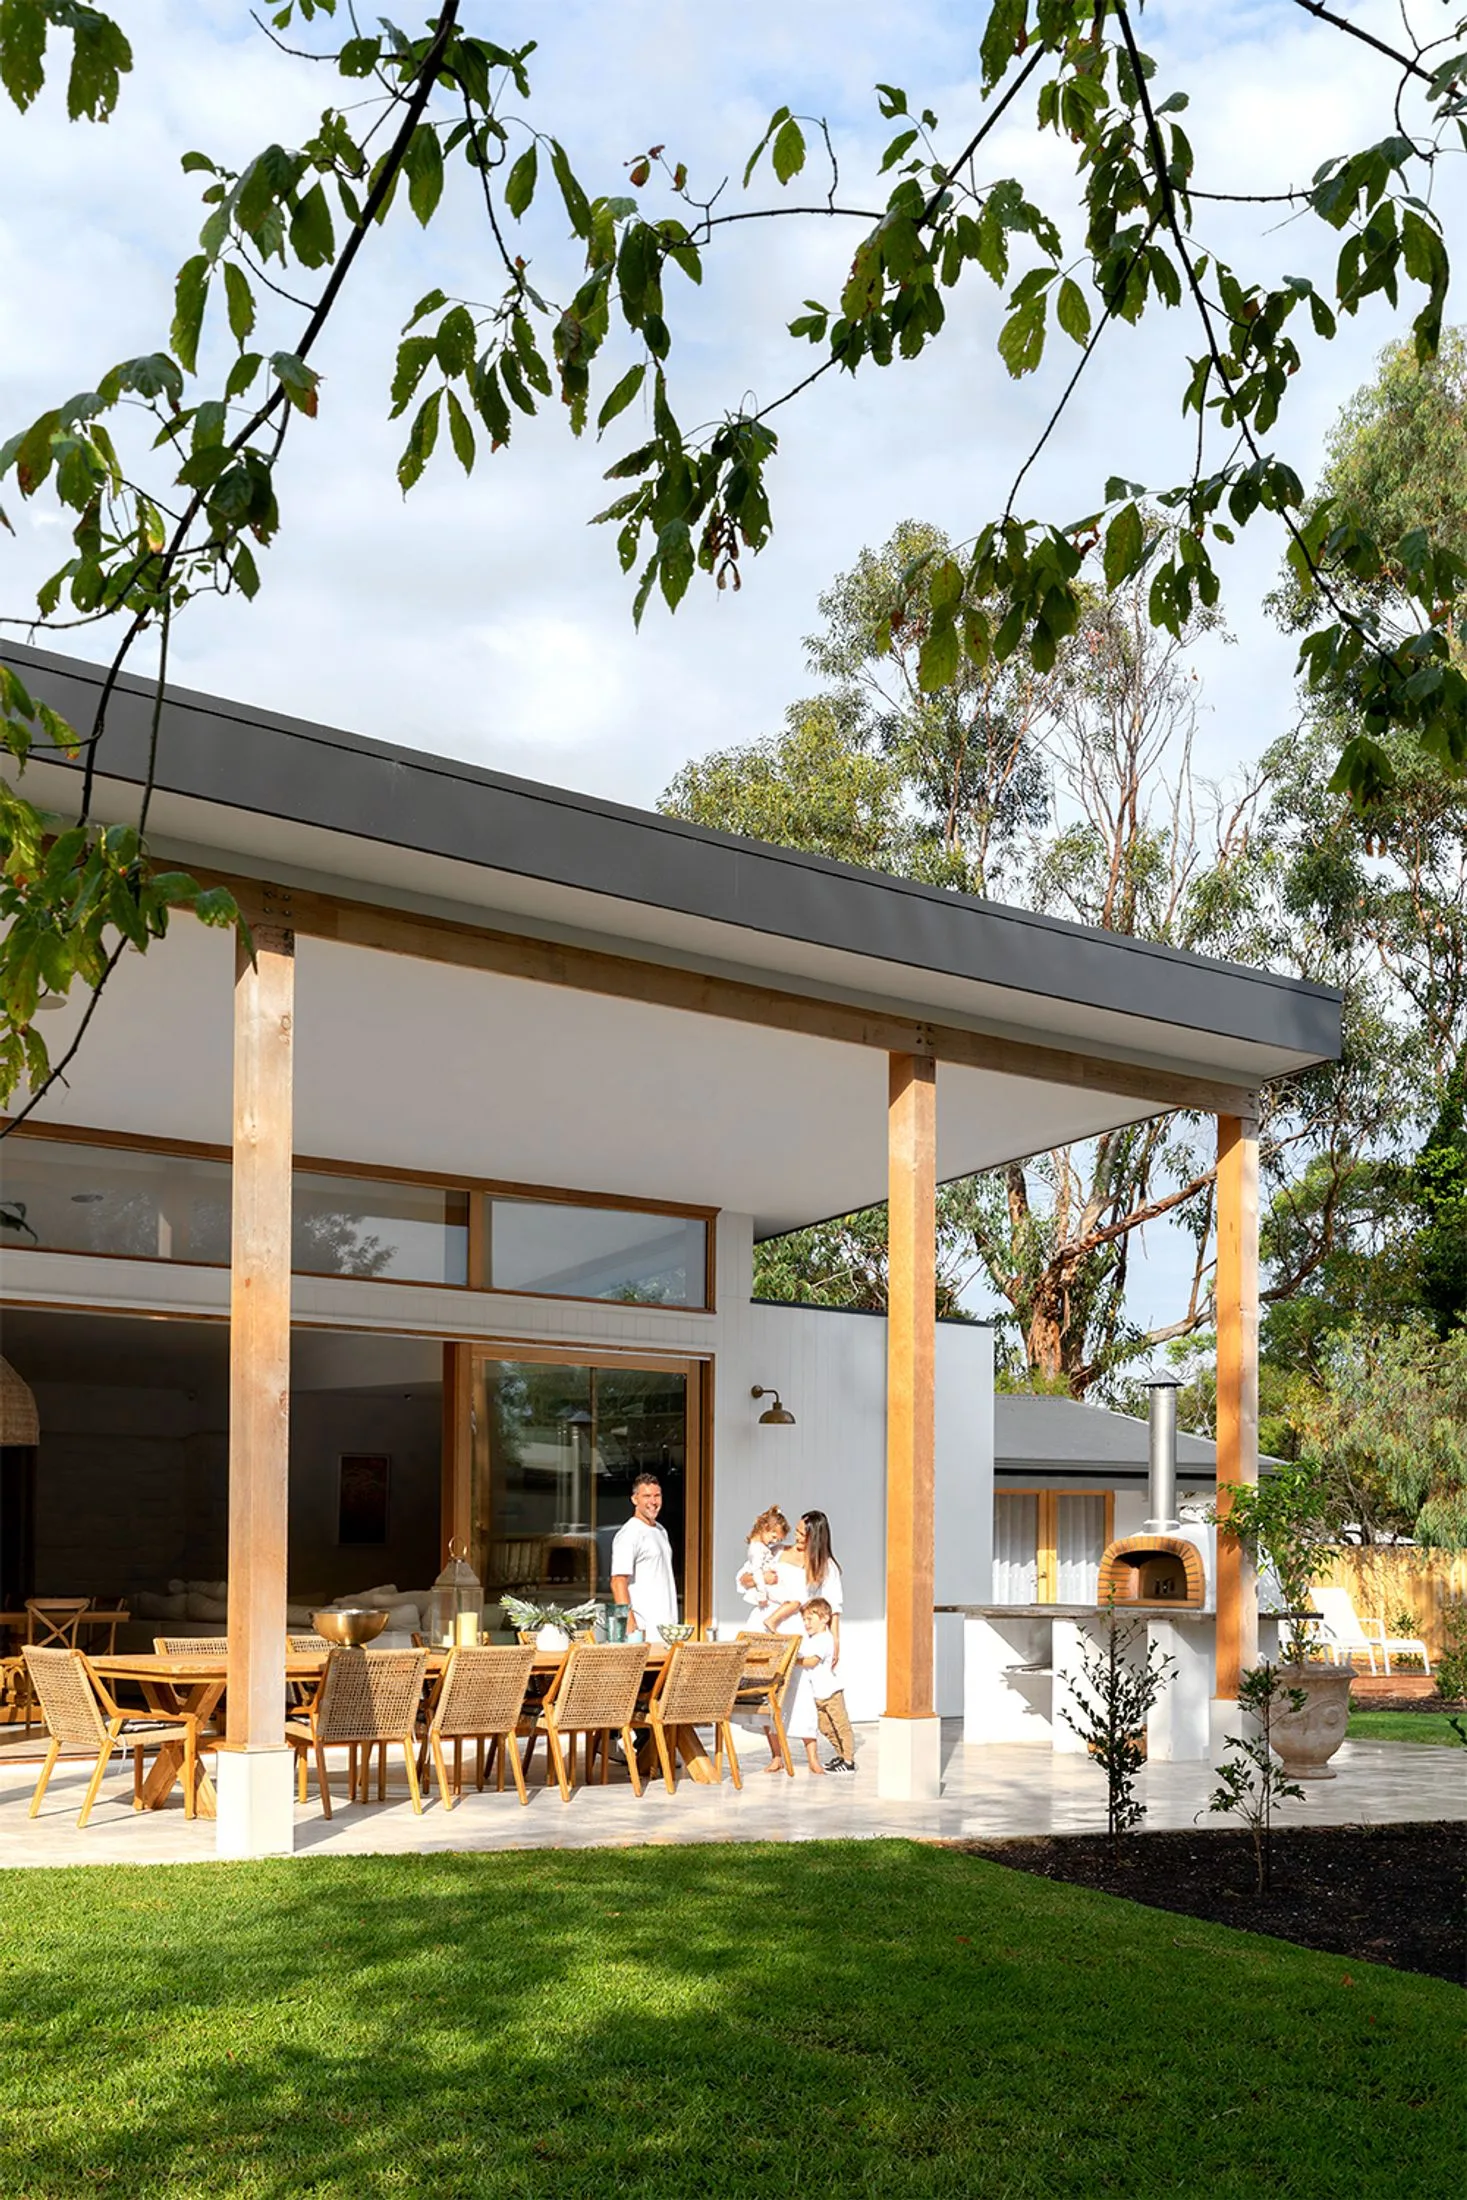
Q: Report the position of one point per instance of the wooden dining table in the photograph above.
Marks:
(196, 1683)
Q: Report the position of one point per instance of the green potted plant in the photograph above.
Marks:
(1284, 1521)
(548, 1626)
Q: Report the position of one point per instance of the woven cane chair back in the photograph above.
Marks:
(190, 1646)
(700, 1683)
(67, 1697)
(483, 1691)
(599, 1685)
(52, 1622)
(369, 1695)
(301, 1646)
(767, 1660)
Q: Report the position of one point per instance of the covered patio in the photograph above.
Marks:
(479, 983)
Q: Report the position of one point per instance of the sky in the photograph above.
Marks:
(485, 618)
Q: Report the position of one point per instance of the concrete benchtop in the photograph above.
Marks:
(1076, 1611)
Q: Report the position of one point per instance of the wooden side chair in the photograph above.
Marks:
(698, 1686)
(480, 1698)
(367, 1699)
(594, 1694)
(768, 1660)
(80, 1714)
(52, 1622)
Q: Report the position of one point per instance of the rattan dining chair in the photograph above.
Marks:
(594, 1694)
(190, 1646)
(80, 1714)
(52, 1622)
(367, 1698)
(480, 1697)
(698, 1686)
(767, 1662)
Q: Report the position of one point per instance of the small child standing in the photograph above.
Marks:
(819, 1705)
(760, 1575)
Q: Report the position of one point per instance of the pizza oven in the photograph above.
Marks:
(1170, 1565)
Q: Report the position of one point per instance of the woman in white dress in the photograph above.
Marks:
(808, 1569)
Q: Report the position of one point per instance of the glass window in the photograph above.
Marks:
(555, 1451)
(597, 1253)
(347, 1226)
(108, 1199)
(1015, 1548)
(1079, 1543)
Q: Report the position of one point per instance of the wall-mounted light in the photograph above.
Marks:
(775, 1416)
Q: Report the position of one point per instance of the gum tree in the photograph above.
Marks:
(173, 481)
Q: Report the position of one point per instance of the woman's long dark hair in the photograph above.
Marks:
(819, 1557)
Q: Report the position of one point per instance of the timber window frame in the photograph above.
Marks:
(1046, 1539)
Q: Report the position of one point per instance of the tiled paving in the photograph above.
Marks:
(987, 1792)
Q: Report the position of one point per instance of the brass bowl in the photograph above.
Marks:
(353, 1627)
(676, 1631)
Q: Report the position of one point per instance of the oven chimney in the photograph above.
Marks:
(1163, 1424)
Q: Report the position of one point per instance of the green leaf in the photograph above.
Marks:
(519, 184)
(246, 573)
(626, 389)
(675, 561)
(359, 56)
(23, 29)
(940, 655)
(1021, 339)
(789, 158)
(430, 303)
(298, 379)
(461, 434)
(1125, 544)
(1072, 310)
(190, 295)
(100, 58)
(781, 114)
(421, 438)
(312, 238)
(244, 370)
(577, 205)
(423, 166)
(456, 341)
(241, 301)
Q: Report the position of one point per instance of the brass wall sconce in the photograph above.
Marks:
(775, 1416)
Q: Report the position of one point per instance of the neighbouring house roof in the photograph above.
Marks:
(541, 1085)
(1055, 1436)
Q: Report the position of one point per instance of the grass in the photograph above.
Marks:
(1402, 1726)
(687, 2023)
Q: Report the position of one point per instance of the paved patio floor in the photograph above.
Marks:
(987, 1793)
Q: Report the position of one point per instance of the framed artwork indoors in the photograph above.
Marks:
(362, 1494)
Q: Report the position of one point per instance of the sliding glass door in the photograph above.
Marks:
(556, 1445)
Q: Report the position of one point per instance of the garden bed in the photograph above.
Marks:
(1383, 1894)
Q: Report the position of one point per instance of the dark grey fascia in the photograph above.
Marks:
(258, 761)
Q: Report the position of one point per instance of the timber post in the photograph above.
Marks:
(1237, 1389)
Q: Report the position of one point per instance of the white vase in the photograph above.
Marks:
(552, 1638)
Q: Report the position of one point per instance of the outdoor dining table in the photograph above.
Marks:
(196, 1682)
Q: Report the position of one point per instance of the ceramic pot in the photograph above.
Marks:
(552, 1638)
(1306, 1739)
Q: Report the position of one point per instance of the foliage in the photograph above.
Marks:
(1422, 1729)
(1451, 1663)
(530, 1618)
(1385, 1432)
(1282, 1521)
(169, 475)
(1113, 1697)
(1441, 1189)
(1250, 1782)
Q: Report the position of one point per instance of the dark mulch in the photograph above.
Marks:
(1382, 1894)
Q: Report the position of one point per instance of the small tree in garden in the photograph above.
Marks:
(1251, 1781)
(1451, 1664)
(1115, 1699)
(1282, 1521)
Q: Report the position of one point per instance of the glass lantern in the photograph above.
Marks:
(456, 1608)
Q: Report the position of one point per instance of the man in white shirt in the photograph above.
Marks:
(641, 1562)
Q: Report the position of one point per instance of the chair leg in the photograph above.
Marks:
(629, 1744)
(95, 1782)
(190, 1771)
(552, 1743)
(137, 1778)
(733, 1756)
(664, 1757)
(507, 1749)
(479, 1768)
(300, 1774)
(782, 1738)
(412, 1773)
(444, 1793)
(46, 1771)
(325, 1783)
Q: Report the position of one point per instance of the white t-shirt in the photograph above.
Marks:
(794, 1588)
(642, 1552)
(824, 1682)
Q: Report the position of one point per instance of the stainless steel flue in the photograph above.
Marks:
(1163, 1457)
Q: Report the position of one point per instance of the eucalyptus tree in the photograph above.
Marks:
(172, 482)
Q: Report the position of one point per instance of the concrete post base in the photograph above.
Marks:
(256, 1789)
(909, 1760)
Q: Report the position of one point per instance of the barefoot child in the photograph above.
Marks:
(819, 1705)
(760, 1574)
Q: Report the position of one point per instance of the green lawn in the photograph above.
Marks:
(1402, 1726)
(835, 2018)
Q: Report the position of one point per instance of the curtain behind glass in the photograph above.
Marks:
(1015, 1548)
(1079, 1541)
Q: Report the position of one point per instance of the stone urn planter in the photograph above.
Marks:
(1306, 1739)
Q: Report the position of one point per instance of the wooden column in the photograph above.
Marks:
(1237, 1385)
(259, 1339)
(910, 1356)
(456, 1517)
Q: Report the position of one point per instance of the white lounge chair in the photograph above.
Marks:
(1344, 1633)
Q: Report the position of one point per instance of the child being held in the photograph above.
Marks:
(760, 1574)
(819, 1705)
